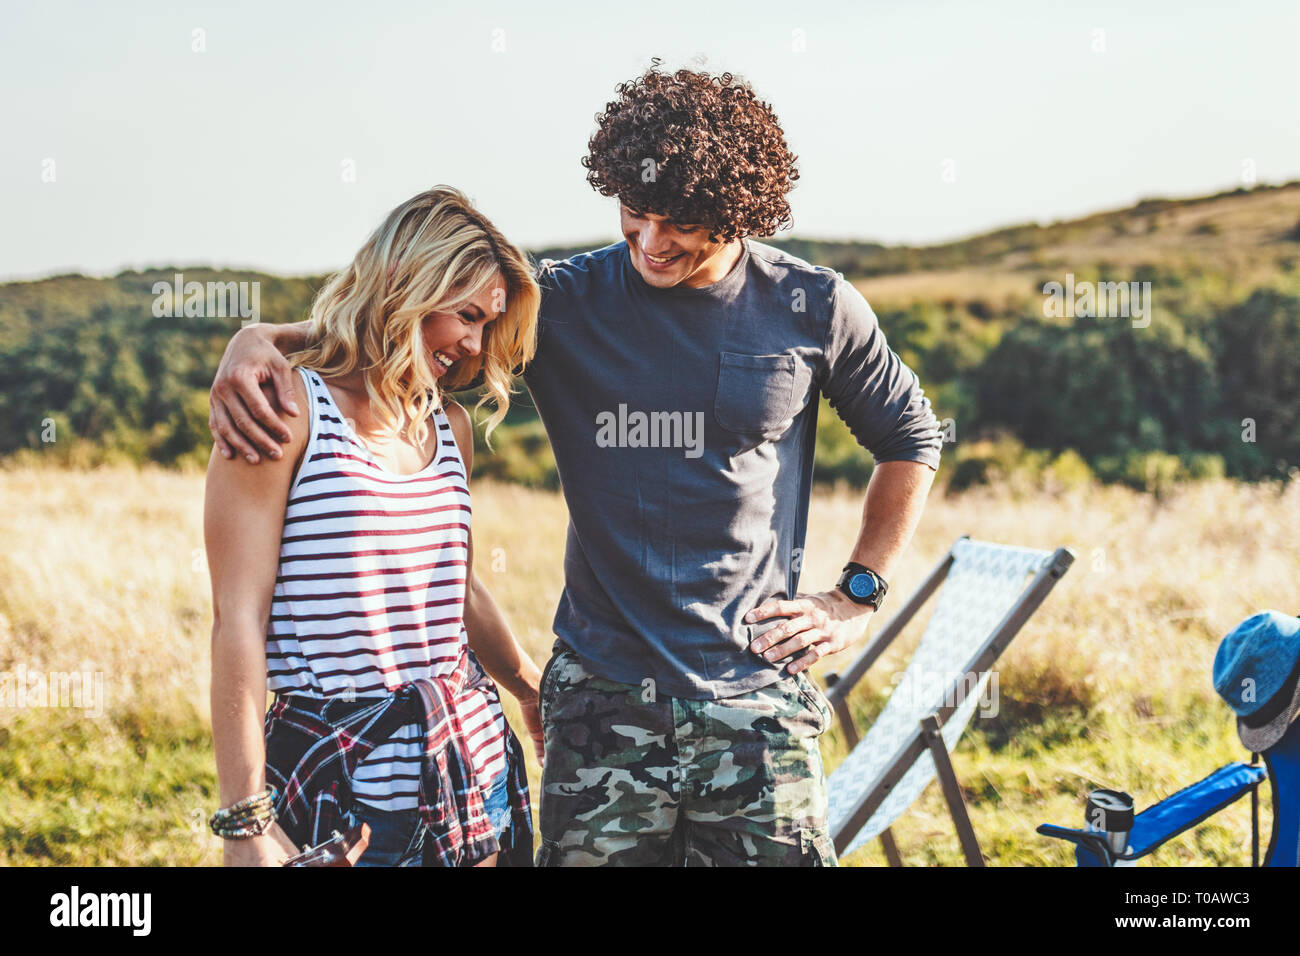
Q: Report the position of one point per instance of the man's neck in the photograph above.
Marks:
(718, 266)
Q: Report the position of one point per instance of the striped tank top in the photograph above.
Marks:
(370, 592)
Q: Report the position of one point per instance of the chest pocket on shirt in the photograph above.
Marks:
(757, 394)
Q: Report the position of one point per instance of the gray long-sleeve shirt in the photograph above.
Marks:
(683, 423)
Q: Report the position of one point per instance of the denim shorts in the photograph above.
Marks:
(397, 836)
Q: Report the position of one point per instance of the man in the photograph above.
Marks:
(678, 376)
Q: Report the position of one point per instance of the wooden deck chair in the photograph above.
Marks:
(986, 594)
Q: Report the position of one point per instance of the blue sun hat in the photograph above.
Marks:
(1257, 671)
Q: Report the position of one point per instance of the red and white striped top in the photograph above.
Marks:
(370, 591)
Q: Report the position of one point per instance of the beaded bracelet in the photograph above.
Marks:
(246, 818)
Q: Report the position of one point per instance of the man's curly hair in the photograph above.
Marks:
(694, 148)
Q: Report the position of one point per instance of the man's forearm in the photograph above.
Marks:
(829, 622)
(895, 499)
(288, 337)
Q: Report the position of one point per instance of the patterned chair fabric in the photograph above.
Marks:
(983, 584)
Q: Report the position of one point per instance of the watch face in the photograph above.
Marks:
(862, 585)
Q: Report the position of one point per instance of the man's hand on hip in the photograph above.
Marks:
(239, 417)
(819, 625)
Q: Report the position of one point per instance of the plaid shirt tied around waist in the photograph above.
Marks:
(314, 744)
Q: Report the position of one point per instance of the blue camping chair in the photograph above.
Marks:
(1190, 806)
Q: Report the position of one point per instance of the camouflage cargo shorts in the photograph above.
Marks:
(635, 779)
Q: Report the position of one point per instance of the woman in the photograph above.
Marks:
(342, 571)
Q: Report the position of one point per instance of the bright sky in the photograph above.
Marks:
(914, 121)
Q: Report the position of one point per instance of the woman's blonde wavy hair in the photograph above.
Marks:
(433, 253)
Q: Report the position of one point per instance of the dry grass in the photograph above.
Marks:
(1004, 290)
(1244, 237)
(1109, 684)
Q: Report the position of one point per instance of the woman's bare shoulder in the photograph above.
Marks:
(299, 425)
(463, 428)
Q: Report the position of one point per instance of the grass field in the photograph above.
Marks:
(1233, 236)
(1109, 685)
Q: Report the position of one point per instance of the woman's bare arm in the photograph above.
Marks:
(242, 522)
(489, 633)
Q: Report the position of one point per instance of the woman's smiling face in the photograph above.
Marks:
(452, 336)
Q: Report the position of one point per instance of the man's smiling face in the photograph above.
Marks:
(667, 254)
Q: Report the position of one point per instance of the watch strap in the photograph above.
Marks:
(853, 568)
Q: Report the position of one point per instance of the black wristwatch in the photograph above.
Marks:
(861, 585)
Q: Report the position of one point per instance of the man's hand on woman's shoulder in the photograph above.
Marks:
(240, 417)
